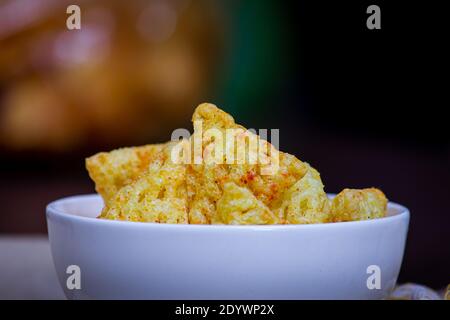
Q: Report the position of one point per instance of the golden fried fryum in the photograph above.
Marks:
(144, 184)
(306, 201)
(206, 181)
(354, 204)
(238, 205)
(113, 170)
(158, 195)
(212, 117)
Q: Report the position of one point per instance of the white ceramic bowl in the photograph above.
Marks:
(133, 260)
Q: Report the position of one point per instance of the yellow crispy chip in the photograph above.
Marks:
(159, 195)
(213, 117)
(206, 180)
(238, 205)
(305, 202)
(112, 170)
(221, 182)
(358, 204)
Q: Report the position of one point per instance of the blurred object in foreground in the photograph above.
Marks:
(135, 69)
(411, 291)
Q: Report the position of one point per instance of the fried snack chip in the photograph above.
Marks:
(306, 201)
(206, 181)
(113, 170)
(212, 117)
(354, 204)
(238, 205)
(159, 195)
(221, 183)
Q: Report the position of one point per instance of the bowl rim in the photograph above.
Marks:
(54, 212)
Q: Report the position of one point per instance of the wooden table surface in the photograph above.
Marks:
(26, 269)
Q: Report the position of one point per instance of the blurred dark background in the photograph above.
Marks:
(365, 107)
